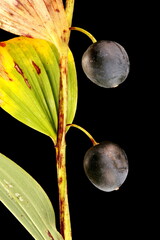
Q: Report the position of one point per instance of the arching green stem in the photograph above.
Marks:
(85, 131)
(85, 32)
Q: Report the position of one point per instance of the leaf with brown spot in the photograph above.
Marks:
(44, 19)
(29, 83)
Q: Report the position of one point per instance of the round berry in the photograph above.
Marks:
(106, 166)
(106, 63)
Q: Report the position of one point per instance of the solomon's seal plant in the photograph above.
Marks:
(38, 86)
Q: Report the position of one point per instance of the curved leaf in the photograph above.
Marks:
(29, 83)
(27, 201)
(72, 89)
(44, 19)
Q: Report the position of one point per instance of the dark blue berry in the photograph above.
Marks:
(106, 63)
(106, 166)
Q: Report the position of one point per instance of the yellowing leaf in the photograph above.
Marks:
(44, 19)
(29, 83)
(27, 201)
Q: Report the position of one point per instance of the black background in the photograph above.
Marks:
(118, 115)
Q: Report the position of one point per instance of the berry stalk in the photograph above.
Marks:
(85, 131)
(85, 32)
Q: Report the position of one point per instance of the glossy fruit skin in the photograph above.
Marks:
(106, 63)
(106, 166)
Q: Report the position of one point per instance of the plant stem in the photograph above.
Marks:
(85, 131)
(69, 11)
(65, 226)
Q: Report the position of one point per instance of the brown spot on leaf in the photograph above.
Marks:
(18, 4)
(57, 10)
(27, 35)
(10, 13)
(26, 81)
(63, 38)
(17, 67)
(38, 70)
(9, 78)
(19, 70)
(64, 35)
(50, 235)
(21, 5)
(2, 44)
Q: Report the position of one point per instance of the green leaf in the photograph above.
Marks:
(29, 83)
(27, 201)
(72, 89)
